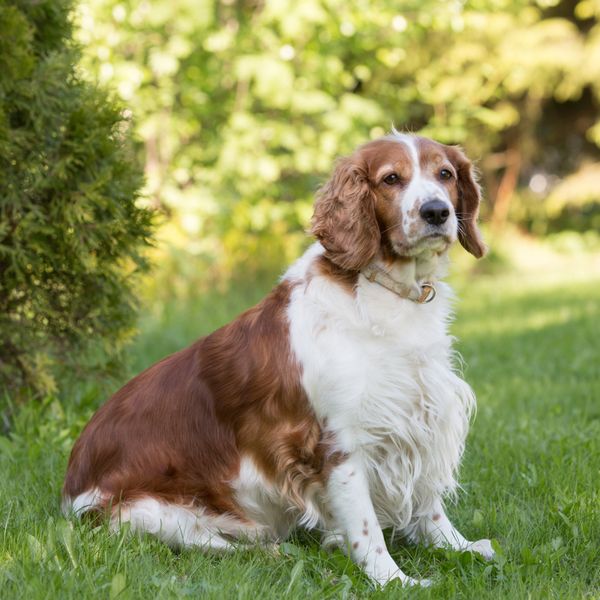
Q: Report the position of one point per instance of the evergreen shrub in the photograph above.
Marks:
(71, 232)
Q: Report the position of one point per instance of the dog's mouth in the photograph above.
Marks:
(431, 241)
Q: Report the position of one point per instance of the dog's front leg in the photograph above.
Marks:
(350, 504)
(435, 529)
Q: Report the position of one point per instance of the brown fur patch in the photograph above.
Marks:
(377, 155)
(177, 430)
(355, 214)
(432, 157)
(343, 277)
(344, 218)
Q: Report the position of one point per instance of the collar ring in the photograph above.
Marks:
(428, 293)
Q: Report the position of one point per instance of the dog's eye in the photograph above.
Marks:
(391, 179)
(445, 174)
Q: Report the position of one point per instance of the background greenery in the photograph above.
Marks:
(242, 106)
(235, 110)
(239, 108)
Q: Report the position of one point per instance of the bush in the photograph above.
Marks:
(71, 233)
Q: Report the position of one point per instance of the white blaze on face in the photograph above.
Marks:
(420, 189)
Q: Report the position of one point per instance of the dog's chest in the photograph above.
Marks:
(372, 369)
(383, 383)
(375, 388)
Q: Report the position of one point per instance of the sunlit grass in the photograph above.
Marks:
(530, 474)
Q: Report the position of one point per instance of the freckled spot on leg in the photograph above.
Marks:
(365, 532)
(355, 545)
(436, 517)
(353, 474)
(365, 523)
(379, 550)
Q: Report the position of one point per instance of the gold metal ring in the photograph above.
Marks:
(428, 294)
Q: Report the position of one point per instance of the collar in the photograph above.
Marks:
(422, 293)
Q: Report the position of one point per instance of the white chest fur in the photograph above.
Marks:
(378, 370)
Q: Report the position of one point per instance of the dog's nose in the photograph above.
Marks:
(435, 212)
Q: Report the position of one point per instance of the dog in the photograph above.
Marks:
(333, 404)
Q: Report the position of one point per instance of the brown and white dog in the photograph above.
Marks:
(333, 404)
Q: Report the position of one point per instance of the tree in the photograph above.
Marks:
(71, 233)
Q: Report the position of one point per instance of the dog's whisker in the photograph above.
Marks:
(392, 227)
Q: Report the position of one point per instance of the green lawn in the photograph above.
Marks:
(531, 341)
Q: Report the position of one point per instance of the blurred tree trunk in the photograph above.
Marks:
(508, 183)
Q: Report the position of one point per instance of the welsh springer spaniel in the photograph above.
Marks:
(334, 403)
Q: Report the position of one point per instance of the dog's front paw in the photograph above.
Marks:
(405, 580)
(483, 547)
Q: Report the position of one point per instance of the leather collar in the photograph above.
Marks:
(424, 294)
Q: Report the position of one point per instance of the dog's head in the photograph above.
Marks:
(399, 196)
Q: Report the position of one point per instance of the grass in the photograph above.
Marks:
(530, 473)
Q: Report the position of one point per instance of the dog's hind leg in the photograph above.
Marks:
(182, 526)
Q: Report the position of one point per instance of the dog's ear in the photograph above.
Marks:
(467, 210)
(344, 219)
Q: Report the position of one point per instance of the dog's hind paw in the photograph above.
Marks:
(409, 582)
(482, 547)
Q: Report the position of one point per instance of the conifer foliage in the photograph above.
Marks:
(71, 233)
